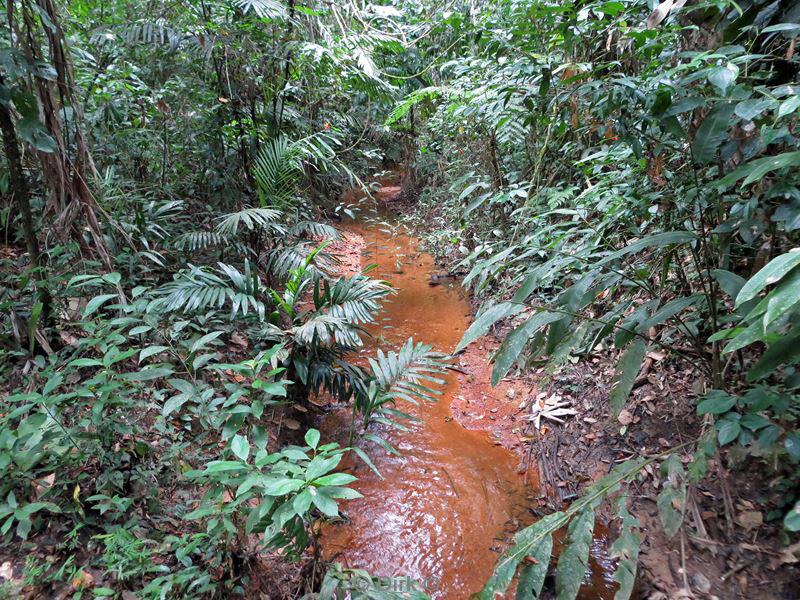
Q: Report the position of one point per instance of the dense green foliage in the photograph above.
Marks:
(612, 175)
(168, 171)
(623, 176)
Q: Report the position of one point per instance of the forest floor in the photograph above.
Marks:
(727, 547)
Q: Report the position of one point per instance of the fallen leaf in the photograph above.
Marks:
(791, 554)
(291, 424)
(702, 583)
(82, 581)
(239, 339)
(625, 417)
(750, 519)
(67, 338)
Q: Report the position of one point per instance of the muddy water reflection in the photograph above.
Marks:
(447, 501)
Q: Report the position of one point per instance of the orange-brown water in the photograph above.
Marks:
(444, 503)
(449, 502)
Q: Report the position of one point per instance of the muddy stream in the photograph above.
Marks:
(450, 500)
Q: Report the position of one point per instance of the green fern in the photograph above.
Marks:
(536, 542)
(402, 375)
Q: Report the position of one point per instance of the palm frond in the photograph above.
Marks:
(250, 218)
(315, 230)
(406, 373)
(192, 241)
(275, 169)
(200, 288)
(323, 329)
(266, 9)
(282, 260)
(352, 299)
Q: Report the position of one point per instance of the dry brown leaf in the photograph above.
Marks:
(292, 424)
(82, 580)
(239, 339)
(625, 417)
(750, 519)
(791, 554)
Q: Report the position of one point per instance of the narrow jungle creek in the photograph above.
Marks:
(450, 501)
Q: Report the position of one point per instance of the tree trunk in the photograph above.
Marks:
(19, 185)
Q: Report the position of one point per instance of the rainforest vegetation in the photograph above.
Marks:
(614, 183)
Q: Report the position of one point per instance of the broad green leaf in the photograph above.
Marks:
(218, 466)
(486, 320)
(657, 240)
(771, 273)
(531, 578)
(670, 309)
(150, 351)
(716, 402)
(753, 333)
(516, 341)
(302, 502)
(86, 362)
(731, 283)
(684, 105)
(240, 447)
(147, 374)
(784, 351)
(574, 559)
(174, 403)
(31, 129)
(33, 323)
(784, 297)
(625, 550)
(321, 465)
(526, 542)
(625, 375)
(282, 486)
(756, 169)
(788, 106)
(95, 303)
(792, 519)
(712, 132)
(205, 340)
(671, 500)
(727, 430)
(335, 479)
(750, 109)
(312, 438)
(723, 77)
(324, 503)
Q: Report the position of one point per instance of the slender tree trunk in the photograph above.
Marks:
(19, 185)
(288, 64)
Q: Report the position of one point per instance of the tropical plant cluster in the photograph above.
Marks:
(614, 176)
(622, 178)
(170, 304)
